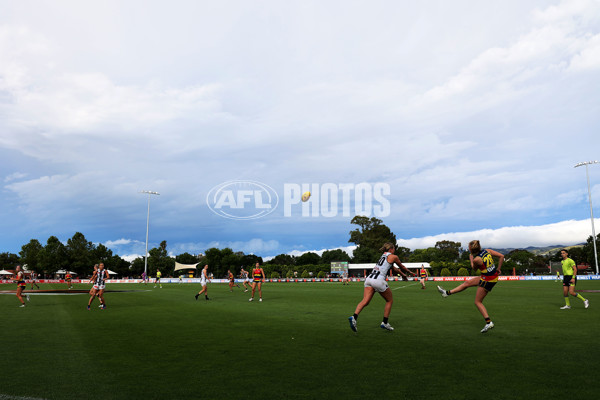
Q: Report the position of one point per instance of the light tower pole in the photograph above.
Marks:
(147, 226)
(586, 163)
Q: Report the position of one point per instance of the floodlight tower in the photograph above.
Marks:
(147, 226)
(586, 163)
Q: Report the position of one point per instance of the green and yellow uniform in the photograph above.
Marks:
(568, 266)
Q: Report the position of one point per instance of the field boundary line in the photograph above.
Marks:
(9, 397)
(410, 284)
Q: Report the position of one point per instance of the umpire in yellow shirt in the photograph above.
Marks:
(570, 280)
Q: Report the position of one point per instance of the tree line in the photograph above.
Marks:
(445, 257)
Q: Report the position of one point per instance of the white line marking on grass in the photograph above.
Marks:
(410, 284)
(9, 397)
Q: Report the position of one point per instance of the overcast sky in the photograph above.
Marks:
(474, 113)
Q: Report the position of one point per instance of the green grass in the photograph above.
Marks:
(162, 344)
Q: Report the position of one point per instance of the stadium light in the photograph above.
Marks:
(586, 163)
(148, 192)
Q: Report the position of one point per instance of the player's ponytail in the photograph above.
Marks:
(474, 246)
(387, 246)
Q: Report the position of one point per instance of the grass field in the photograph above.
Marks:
(162, 344)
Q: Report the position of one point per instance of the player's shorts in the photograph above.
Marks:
(259, 280)
(68, 280)
(379, 285)
(202, 282)
(21, 284)
(487, 285)
(99, 287)
(569, 280)
(247, 280)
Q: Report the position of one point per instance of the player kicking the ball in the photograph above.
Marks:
(483, 261)
(375, 282)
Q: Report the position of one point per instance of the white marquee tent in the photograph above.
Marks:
(179, 266)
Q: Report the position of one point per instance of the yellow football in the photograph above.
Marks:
(305, 196)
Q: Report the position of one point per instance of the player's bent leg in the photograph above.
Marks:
(389, 301)
(367, 296)
(465, 285)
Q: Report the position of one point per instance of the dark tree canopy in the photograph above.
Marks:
(369, 238)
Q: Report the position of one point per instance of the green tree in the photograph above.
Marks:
(120, 266)
(53, 256)
(363, 254)
(448, 250)
(429, 254)
(334, 255)
(372, 233)
(588, 251)
(308, 258)
(8, 260)
(159, 259)
(137, 267)
(282, 259)
(403, 253)
(230, 261)
(369, 238)
(79, 253)
(520, 260)
(186, 258)
(101, 254)
(212, 257)
(250, 260)
(30, 255)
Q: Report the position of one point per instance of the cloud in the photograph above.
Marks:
(15, 176)
(119, 242)
(560, 233)
(466, 136)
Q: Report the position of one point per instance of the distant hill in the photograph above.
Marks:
(541, 251)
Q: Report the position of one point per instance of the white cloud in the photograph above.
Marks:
(119, 242)
(561, 233)
(130, 257)
(15, 176)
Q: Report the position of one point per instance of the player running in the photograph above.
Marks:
(483, 261)
(99, 285)
(231, 280)
(157, 280)
(21, 285)
(258, 277)
(33, 277)
(245, 279)
(423, 276)
(93, 280)
(570, 280)
(375, 282)
(203, 279)
(68, 279)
